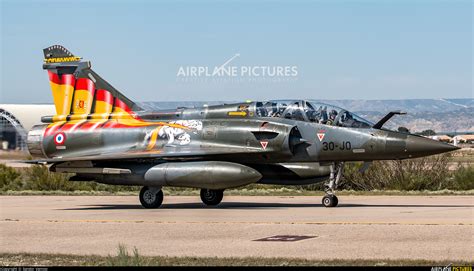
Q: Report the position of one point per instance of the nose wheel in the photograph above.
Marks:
(151, 197)
(211, 197)
(330, 199)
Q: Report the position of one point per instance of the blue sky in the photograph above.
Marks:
(342, 49)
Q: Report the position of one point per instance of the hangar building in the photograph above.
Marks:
(17, 119)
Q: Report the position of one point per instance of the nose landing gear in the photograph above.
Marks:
(330, 199)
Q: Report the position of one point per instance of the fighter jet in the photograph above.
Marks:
(100, 135)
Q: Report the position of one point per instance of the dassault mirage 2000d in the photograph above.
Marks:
(101, 135)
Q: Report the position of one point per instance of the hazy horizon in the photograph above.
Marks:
(238, 101)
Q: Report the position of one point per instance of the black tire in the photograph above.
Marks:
(211, 197)
(149, 198)
(330, 201)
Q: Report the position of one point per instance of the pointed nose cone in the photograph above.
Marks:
(418, 146)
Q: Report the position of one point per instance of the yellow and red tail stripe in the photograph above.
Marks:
(104, 103)
(83, 96)
(80, 107)
(63, 91)
(91, 125)
(53, 128)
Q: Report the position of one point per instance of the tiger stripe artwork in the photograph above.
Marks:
(85, 103)
(79, 106)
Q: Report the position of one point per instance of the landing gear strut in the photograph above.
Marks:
(211, 197)
(330, 199)
(151, 197)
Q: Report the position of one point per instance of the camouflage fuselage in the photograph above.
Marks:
(269, 140)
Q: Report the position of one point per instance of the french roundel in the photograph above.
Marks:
(60, 138)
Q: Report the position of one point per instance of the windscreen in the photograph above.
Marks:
(311, 111)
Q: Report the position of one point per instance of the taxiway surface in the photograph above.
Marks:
(362, 227)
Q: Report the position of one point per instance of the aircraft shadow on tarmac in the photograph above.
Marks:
(249, 205)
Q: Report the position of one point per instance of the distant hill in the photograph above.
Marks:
(436, 114)
(450, 121)
(411, 105)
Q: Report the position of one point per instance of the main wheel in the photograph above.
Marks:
(211, 197)
(151, 197)
(330, 201)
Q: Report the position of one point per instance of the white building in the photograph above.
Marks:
(17, 119)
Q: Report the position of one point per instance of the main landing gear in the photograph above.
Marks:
(330, 199)
(211, 197)
(151, 197)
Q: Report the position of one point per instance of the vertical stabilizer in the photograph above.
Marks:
(79, 92)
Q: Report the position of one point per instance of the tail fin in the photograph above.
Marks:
(79, 92)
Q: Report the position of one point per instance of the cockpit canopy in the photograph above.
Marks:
(311, 111)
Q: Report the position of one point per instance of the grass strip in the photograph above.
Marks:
(124, 258)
